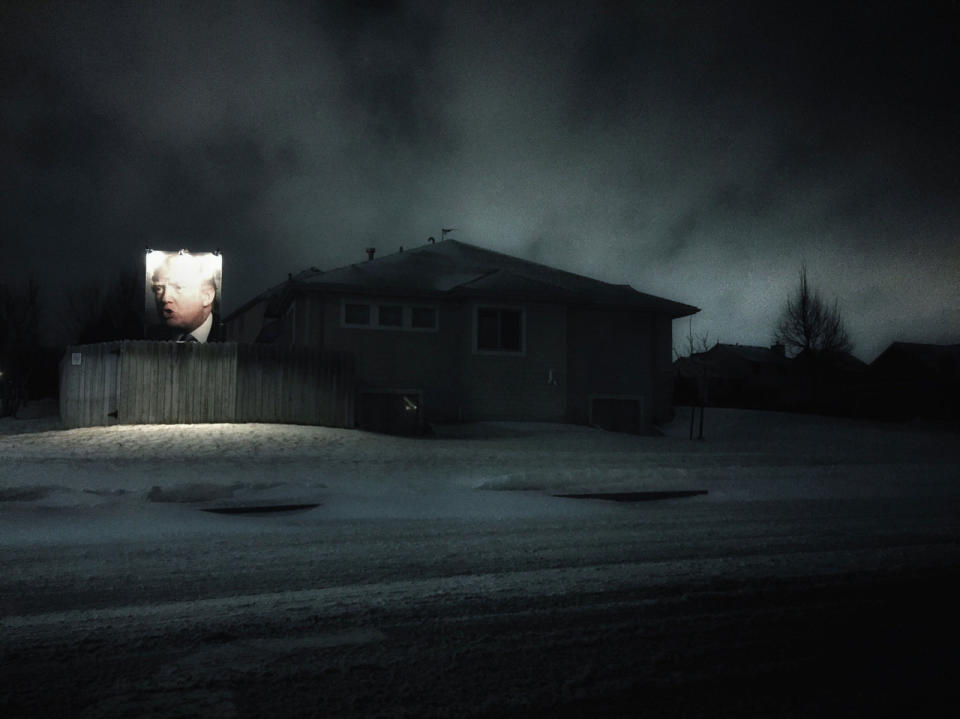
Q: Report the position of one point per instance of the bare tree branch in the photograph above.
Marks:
(19, 337)
(808, 324)
(20, 315)
(694, 344)
(96, 314)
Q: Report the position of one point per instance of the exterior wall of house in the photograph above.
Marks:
(306, 321)
(568, 357)
(246, 326)
(399, 359)
(617, 353)
(528, 385)
(663, 369)
(458, 381)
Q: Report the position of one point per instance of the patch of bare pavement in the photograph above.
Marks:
(681, 609)
(260, 509)
(875, 645)
(648, 496)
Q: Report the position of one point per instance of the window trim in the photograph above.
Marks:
(522, 352)
(391, 305)
(417, 328)
(406, 319)
(343, 315)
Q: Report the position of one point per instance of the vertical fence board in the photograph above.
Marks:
(299, 385)
(89, 390)
(169, 382)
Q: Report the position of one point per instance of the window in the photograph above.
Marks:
(423, 318)
(499, 329)
(356, 314)
(390, 315)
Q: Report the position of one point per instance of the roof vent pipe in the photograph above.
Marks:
(370, 253)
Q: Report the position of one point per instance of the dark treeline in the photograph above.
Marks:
(38, 322)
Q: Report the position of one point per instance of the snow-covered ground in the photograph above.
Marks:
(440, 576)
(745, 456)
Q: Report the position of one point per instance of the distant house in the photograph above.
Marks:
(910, 379)
(831, 382)
(732, 375)
(449, 331)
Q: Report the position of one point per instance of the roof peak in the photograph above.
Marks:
(457, 269)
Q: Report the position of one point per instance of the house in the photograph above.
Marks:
(733, 375)
(453, 332)
(910, 379)
(831, 382)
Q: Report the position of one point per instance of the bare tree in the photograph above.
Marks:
(19, 314)
(19, 337)
(698, 366)
(694, 344)
(809, 325)
(101, 313)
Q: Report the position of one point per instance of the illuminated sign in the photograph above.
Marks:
(182, 299)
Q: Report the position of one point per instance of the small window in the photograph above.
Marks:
(390, 315)
(356, 314)
(510, 338)
(488, 329)
(499, 330)
(423, 317)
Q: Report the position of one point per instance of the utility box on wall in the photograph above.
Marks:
(391, 411)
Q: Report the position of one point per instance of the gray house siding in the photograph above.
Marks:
(662, 377)
(307, 320)
(516, 386)
(612, 354)
(456, 380)
(401, 359)
(570, 358)
(246, 325)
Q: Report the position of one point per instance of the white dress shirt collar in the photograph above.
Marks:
(202, 332)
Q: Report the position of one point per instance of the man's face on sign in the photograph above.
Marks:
(183, 293)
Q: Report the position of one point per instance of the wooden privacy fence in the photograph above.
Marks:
(134, 382)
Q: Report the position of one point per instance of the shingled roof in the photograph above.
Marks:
(454, 269)
(930, 359)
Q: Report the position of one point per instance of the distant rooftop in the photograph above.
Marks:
(748, 352)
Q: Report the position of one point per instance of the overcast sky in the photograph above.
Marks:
(699, 151)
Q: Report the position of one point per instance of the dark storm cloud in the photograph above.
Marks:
(696, 150)
(133, 125)
(388, 78)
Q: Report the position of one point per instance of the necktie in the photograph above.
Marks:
(188, 338)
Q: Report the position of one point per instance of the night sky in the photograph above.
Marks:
(699, 151)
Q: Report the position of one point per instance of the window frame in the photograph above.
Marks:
(499, 351)
(374, 305)
(389, 306)
(419, 328)
(343, 314)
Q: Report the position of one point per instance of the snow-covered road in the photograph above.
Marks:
(440, 577)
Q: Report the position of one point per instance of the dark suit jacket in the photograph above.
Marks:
(162, 333)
